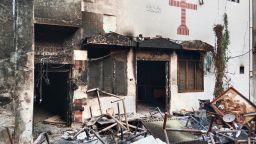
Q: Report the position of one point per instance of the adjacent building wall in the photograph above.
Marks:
(7, 47)
(17, 63)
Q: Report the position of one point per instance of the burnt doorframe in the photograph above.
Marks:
(167, 82)
(70, 94)
(70, 91)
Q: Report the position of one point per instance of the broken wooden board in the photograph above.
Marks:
(54, 120)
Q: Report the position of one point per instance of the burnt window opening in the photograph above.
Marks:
(190, 73)
(98, 52)
(51, 33)
(241, 69)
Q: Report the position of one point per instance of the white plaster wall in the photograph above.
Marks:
(157, 17)
(174, 102)
(131, 83)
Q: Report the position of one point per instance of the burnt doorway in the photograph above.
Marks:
(152, 85)
(52, 93)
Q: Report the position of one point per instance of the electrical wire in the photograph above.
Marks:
(99, 58)
(240, 54)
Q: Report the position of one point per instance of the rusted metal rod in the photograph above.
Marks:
(107, 128)
(164, 128)
(119, 99)
(110, 94)
(231, 131)
(126, 131)
(165, 120)
(187, 130)
(133, 126)
(125, 114)
(90, 111)
(97, 135)
(229, 137)
(124, 108)
(120, 123)
(98, 96)
(91, 90)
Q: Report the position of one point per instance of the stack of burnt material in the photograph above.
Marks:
(114, 128)
(229, 118)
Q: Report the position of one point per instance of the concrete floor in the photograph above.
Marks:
(40, 115)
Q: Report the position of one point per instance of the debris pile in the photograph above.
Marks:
(114, 128)
(229, 118)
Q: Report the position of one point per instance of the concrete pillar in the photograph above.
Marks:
(131, 84)
(173, 80)
(24, 71)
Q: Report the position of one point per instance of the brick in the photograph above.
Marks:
(78, 116)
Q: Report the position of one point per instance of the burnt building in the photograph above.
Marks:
(80, 46)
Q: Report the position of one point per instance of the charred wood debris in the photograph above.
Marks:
(228, 118)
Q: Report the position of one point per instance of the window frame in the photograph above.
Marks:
(196, 63)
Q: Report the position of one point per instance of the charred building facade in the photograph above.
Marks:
(88, 52)
(79, 47)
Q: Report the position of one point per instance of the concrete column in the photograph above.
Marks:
(24, 71)
(173, 80)
(131, 84)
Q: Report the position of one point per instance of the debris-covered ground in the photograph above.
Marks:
(229, 118)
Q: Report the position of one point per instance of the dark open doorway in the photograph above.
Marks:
(152, 80)
(52, 93)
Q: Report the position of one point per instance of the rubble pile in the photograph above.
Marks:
(229, 118)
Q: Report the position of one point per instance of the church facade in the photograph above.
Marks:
(154, 69)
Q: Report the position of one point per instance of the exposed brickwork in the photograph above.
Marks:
(78, 116)
(77, 106)
(78, 65)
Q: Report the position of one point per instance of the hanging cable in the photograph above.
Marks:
(240, 54)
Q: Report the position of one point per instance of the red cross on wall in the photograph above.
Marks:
(183, 29)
